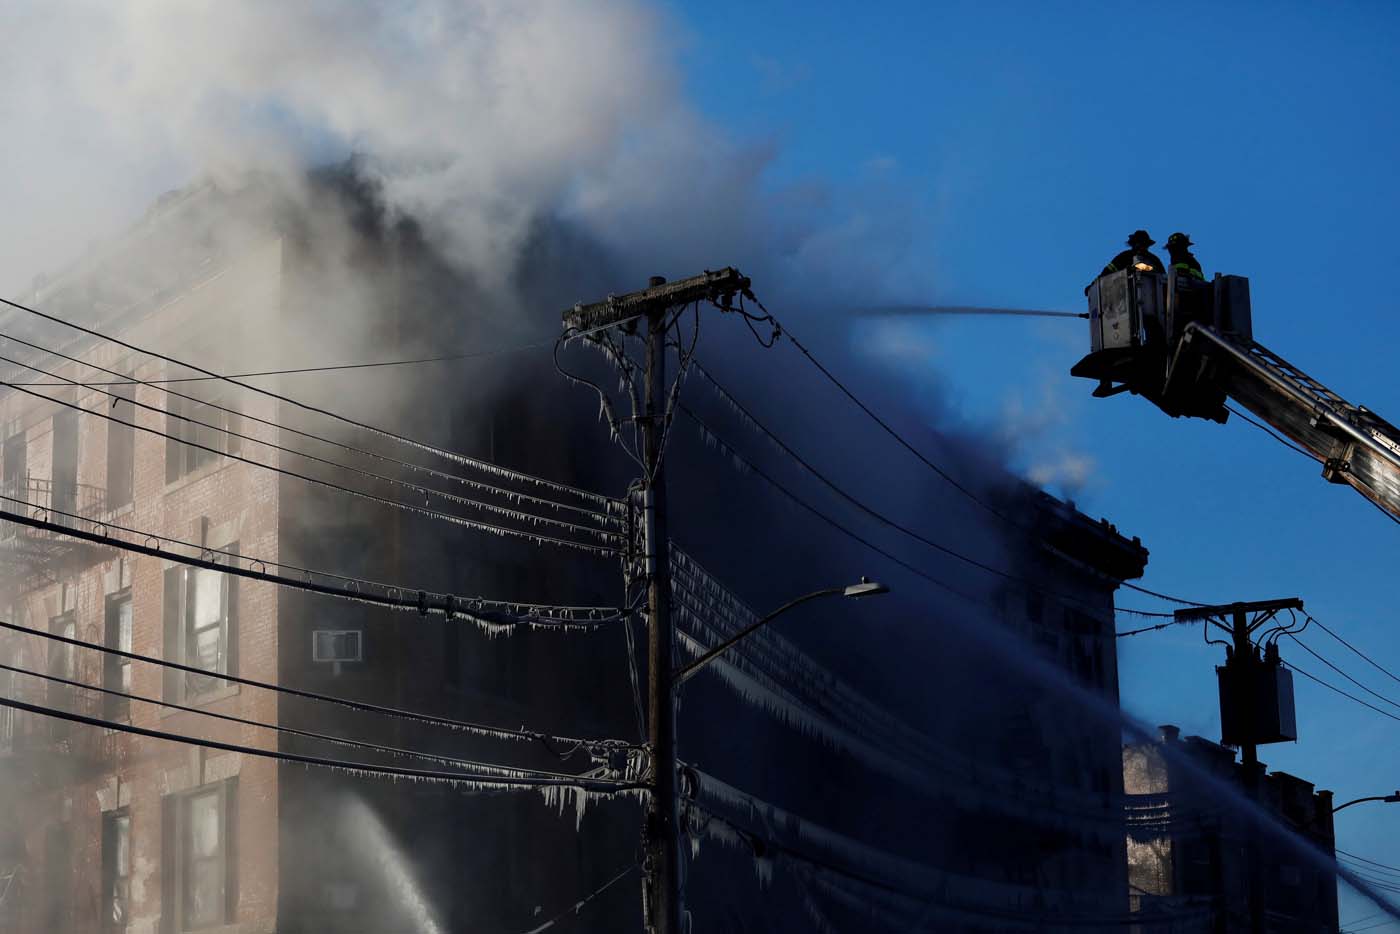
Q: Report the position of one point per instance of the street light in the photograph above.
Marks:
(864, 588)
(1389, 799)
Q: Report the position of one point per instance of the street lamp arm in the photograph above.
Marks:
(683, 674)
(1387, 798)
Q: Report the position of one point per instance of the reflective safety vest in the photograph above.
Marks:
(1193, 270)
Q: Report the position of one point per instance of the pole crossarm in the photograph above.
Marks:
(1266, 610)
(615, 309)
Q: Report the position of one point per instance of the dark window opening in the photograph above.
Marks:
(16, 467)
(65, 464)
(121, 453)
(116, 871)
(116, 673)
(198, 433)
(63, 663)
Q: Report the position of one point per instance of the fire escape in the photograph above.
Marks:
(32, 747)
(31, 558)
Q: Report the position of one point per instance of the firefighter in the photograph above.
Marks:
(1137, 246)
(1179, 249)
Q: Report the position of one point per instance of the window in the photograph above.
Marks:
(63, 663)
(65, 464)
(201, 613)
(116, 871)
(116, 673)
(16, 466)
(121, 453)
(199, 884)
(198, 434)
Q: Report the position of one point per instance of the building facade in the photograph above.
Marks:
(941, 744)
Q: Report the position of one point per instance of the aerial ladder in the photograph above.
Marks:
(1187, 345)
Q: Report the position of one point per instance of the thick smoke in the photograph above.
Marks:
(478, 118)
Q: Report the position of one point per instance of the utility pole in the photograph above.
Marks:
(653, 304)
(1242, 721)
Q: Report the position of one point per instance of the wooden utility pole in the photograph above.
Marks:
(1243, 726)
(662, 830)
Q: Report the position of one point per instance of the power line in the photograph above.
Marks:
(291, 731)
(1339, 671)
(537, 538)
(483, 782)
(394, 597)
(893, 433)
(416, 488)
(1372, 862)
(713, 437)
(1271, 433)
(826, 481)
(1334, 688)
(348, 448)
(424, 446)
(480, 729)
(473, 355)
(1370, 661)
(578, 906)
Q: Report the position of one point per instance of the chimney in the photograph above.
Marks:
(1169, 733)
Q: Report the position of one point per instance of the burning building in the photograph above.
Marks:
(921, 773)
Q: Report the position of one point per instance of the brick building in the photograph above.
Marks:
(1188, 844)
(975, 779)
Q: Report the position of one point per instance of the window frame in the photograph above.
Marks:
(178, 874)
(182, 457)
(180, 629)
(62, 662)
(121, 452)
(117, 708)
(112, 877)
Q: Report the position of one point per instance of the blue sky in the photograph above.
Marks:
(1026, 141)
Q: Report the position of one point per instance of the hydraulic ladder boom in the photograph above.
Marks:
(1187, 345)
(1354, 445)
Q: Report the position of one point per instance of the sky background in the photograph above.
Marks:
(1026, 141)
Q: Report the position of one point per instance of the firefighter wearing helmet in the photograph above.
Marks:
(1179, 249)
(1136, 255)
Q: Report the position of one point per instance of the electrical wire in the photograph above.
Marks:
(534, 537)
(473, 355)
(448, 605)
(478, 485)
(579, 905)
(425, 492)
(826, 481)
(290, 731)
(1363, 859)
(1273, 434)
(763, 845)
(1339, 671)
(1362, 655)
(713, 437)
(356, 767)
(1335, 689)
(384, 433)
(480, 729)
(903, 442)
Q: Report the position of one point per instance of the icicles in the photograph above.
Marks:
(772, 674)
(763, 869)
(562, 798)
